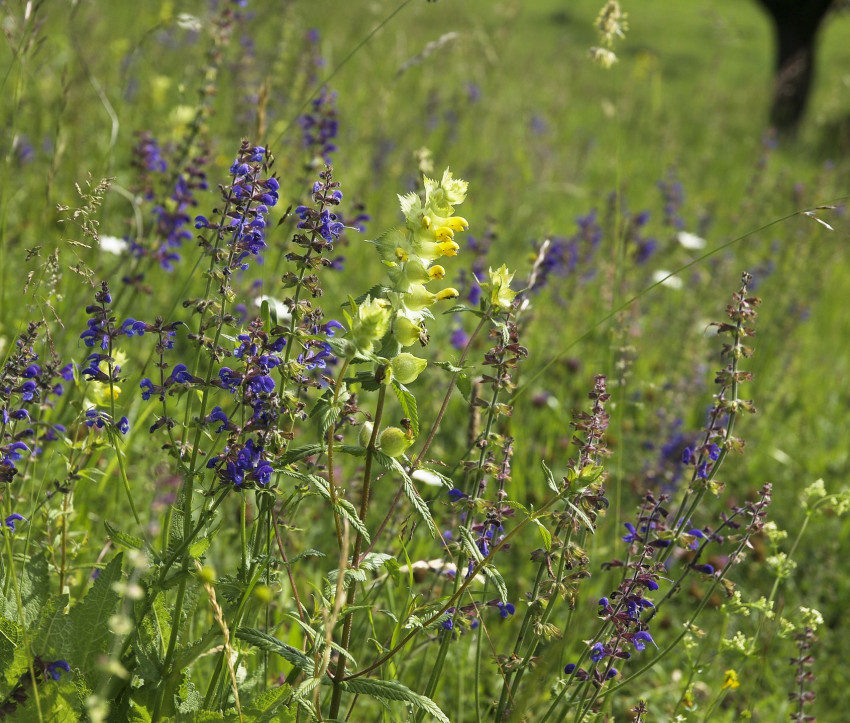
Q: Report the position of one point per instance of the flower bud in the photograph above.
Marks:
(406, 367)
(499, 288)
(365, 433)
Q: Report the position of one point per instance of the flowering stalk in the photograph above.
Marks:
(587, 503)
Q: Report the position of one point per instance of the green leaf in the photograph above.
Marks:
(197, 716)
(550, 478)
(268, 314)
(410, 490)
(299, 453)
(53, 631)
(343, 506)
(199, 547)
(464, 386)
(188, 654)
(89, 622)
(467, 542)
(393, 690)
(496, 578)
(35, 587)
(545, 534)
(408, 406)
(378, 291)
(13, 655)
(326, 412)
(122, 538)
(267, 642)
(265, 708)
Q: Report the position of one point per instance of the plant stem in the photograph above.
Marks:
(336, 697)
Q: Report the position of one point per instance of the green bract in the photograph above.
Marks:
(407, 367)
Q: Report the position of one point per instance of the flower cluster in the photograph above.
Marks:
(247, 199)
(319, 127)
(410, 253)
(27, 385)
(172, 213)
(674, 197)
(319, 228)
(100, 419)
(567, 256)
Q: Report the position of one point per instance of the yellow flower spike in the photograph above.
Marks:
(444, 233)
(457, 223)
(436, 272)
(730, 680)
(448, 248)
(426, 222)
(448, 293)
(400, 253)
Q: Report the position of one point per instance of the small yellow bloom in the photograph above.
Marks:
(457, 223)
(448, 248)
(436, 272)
(730, 680)
(426, 222)
(449, 293)
(400, 253)
(444, 233)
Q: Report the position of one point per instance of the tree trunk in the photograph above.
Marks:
(796, 24)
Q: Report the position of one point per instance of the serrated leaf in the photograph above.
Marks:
(412, 493)
(299, 453)
(464, 386)
(123, 538)
(496, 578)
(343, 506)
(408, 406)
(199, 547)
(307, 553)
(393, 690)
(267, 642)
(374, 561)
(378, 291)
(13, 655)
(90, 621)
(197, 716)
(326, 412)
(35, 587)
(467, 542)
(53, 630)
(265, 708)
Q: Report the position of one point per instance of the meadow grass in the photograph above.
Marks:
(512, 104)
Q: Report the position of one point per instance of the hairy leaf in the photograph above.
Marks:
(393, 690)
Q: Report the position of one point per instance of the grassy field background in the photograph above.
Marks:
(510, 102)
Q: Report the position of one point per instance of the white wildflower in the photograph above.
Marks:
(690, 240)
(663, 277)
(113, 244)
